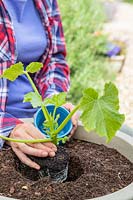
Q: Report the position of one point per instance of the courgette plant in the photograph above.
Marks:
(99, 113)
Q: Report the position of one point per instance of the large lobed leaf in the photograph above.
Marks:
(13, 72)
(101, 113)
(57, 99)
(33, 98)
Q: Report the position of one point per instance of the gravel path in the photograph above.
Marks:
(122, 27)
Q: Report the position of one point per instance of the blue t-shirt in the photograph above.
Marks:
(31, 43)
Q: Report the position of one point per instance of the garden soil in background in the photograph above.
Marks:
(94, 171)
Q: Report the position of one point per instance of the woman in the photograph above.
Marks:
(30, 30)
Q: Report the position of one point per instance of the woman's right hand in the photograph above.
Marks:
(29, 132)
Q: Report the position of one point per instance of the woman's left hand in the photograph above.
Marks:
(70, 107)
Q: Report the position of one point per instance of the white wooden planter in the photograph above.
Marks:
(122, 143)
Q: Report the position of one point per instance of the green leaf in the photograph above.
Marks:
(63, 140)
(33, 98)
(52, 124)
(101, 113)
(34, 67)
(13, 71)
(57, 99)
(111, 95)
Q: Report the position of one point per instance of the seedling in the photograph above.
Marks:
(99, 113)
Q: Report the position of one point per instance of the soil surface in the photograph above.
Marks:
(94, 171)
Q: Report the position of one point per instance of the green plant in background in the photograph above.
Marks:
(99, 112)
(129, 1)
(82, 21)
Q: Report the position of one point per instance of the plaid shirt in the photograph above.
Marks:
(53, 77)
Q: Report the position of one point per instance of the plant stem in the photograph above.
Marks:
(25, 141)
(66, 120)
(54, 112)
(54, 139)
(44, 109)
(31, 82)
(45, 112)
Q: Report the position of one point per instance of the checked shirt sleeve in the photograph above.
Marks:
(55, 75)
(7, 123)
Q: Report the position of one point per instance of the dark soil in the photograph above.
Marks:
(94, 170)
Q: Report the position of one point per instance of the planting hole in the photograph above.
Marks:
(75, 170)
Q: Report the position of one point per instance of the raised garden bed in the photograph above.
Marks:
(94, 171)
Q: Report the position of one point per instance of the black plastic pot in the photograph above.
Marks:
(56, 168)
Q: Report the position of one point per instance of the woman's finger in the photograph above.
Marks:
(32, 151)
(22, 134)
(33, 131)
(69, 106)
(43, 146)
(72, 132)
(36, 134)
(74, 118)
(24, 159)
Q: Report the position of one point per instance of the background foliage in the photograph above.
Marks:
(129, 1)
(86, 45)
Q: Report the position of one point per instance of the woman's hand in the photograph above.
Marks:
(29, 132)
(70, 107)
